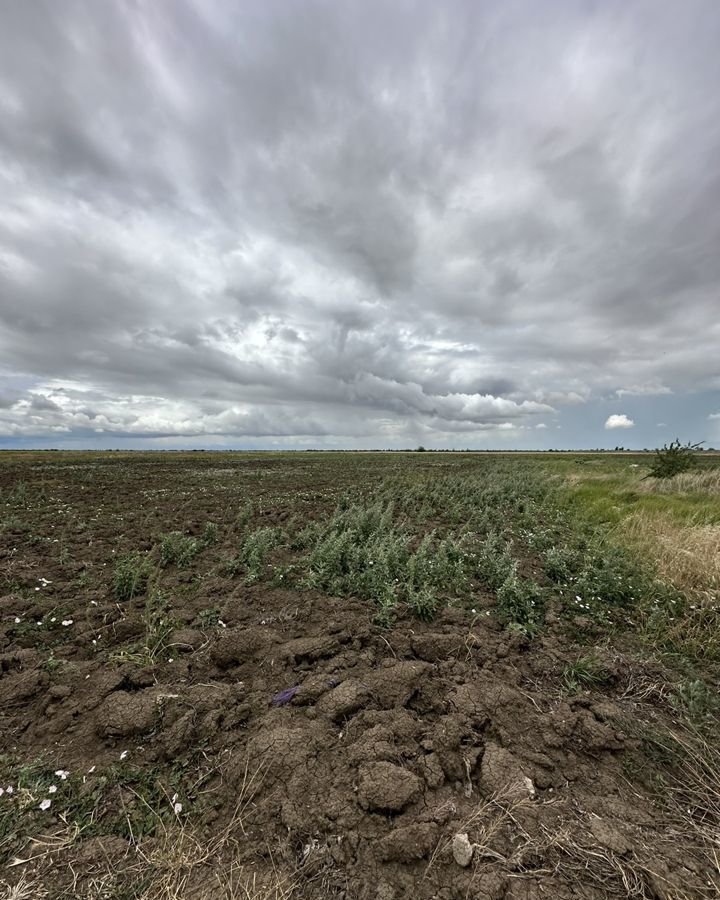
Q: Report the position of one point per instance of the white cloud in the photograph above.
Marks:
(653, 389)
(618, 421)
(714, 415)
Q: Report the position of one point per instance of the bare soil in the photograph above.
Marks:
(343, 758)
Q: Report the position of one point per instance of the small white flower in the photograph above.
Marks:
(1, 792)
(124, 754)
(177, 808)
(91, 770)
(17, 620)
(9, 789)
(52, 789)
(45, 805)
(62, 773)
(171, 659)
(67, 622)
(53, 619)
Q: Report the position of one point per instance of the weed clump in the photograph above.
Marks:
(130, 576)
(178, 549)
(158, 625)
(254, 551)
(520, 603)
(364, 552)
(697, 702)
(585, 672)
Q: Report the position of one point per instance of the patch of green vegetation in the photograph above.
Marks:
(158, 623)
(364, 551)
(209, 618)
(252, 556)
(244, 515)
(130, 577)
(210, 533)
(673, 458)
(124, 800)
(178, 549)
(521, 603)
(585, 673)
(697, 702)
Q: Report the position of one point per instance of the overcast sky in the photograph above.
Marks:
(270, 224)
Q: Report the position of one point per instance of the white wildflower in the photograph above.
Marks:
(45, 804)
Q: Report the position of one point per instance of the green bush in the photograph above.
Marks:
(673, 458)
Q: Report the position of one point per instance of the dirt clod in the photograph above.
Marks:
(122, 714)
(409, 842)
(344, 700)
(386, 787)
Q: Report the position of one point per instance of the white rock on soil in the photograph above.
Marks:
(462, 850)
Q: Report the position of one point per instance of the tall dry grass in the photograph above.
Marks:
(702, 481)
(685, 555)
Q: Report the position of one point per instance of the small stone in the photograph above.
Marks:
(462, 850)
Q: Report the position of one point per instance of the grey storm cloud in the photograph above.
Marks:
(367, 221)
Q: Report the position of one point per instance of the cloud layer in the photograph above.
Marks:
(358, 223)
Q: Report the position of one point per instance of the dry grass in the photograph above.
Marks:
(176, 863)
(703, 481)
(25, 889)
(567, 849)
(687, 556)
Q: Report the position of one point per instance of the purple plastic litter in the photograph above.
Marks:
(284, 696)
